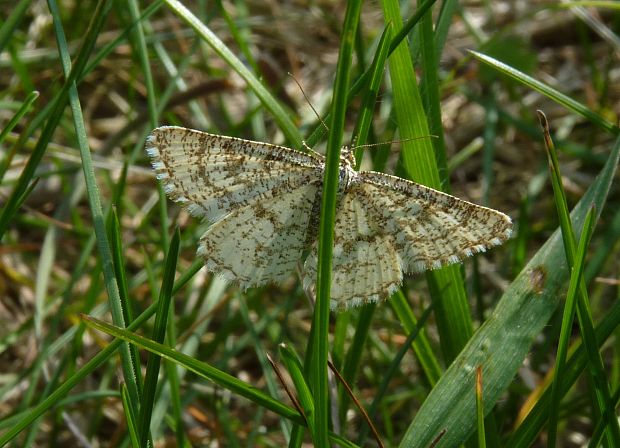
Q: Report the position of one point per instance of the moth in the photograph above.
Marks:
(263, 203)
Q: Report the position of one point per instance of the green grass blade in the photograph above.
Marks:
(143, 55)
(367, 108)
(447, 287)
(421, 345)
(55, 113)
(548, 91)
(584, 314)
(72, 381)
(599, 430)
(129, 369)
(525, 434)
(159, 333)
(11, 22)
(202, 369)
(320, 322)
(567, 325)
(359, 84)
(23, 109)
(405, 29)
(304, 395)
(130, 418)
(429, 90)
(412, 338)
(273, 386)
(94, 363)
(279, 114)
(354, 354)
(503, 341)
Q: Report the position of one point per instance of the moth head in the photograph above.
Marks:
(347, 156)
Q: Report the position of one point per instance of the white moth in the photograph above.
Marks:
(263, 203)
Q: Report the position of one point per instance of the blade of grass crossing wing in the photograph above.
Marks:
(320, 322)
(447, 287)
(353, 357)
(503, 341)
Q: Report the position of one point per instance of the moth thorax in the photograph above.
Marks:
(347, 156)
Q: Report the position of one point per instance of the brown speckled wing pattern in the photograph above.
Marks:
(262, 202)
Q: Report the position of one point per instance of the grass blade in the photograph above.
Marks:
(567, 324)
(447, 287)
(535, 420)
(202, 369)
(548, 91)
(24, 108)
(320, 321)
(584, 314)
(267, 99)
(159, 333)
(56, 110)
(503, 341)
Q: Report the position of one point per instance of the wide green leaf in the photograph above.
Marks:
(501, 344)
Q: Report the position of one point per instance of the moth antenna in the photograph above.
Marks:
(308, 100)
(370, 145)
